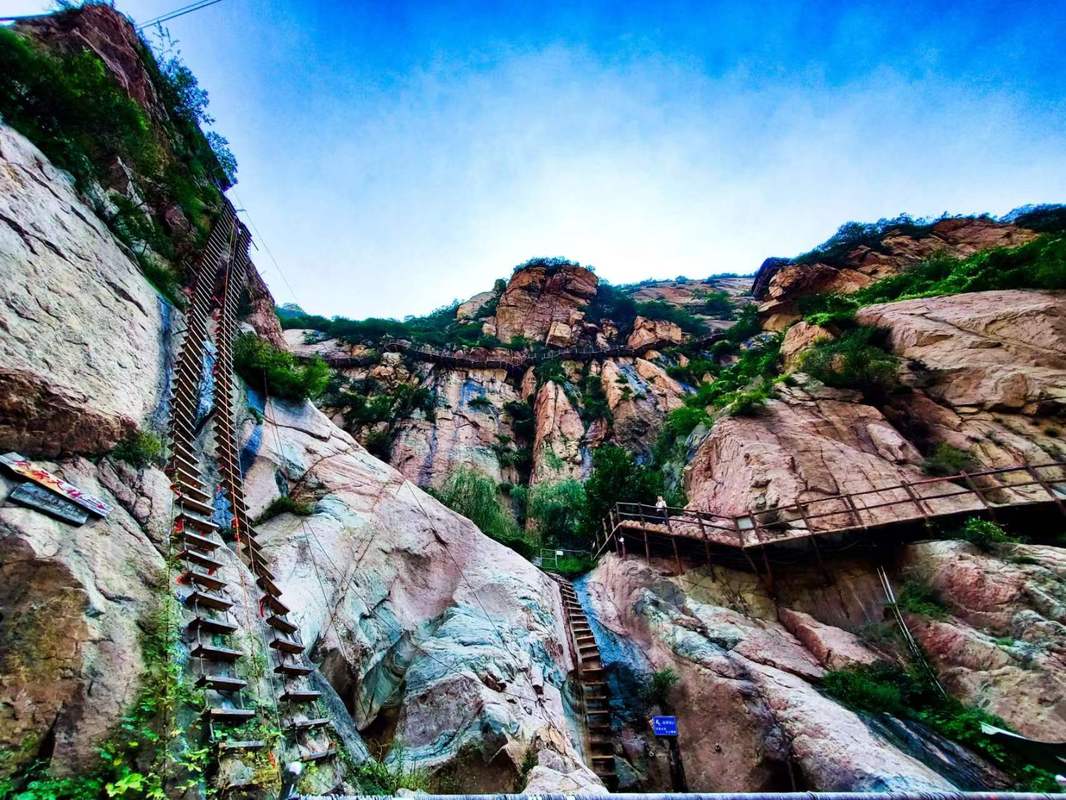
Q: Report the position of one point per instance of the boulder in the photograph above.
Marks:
(432, 633)
(540, 302)
(652, 331)
(558, 450)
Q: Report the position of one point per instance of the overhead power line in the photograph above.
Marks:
(177, 12)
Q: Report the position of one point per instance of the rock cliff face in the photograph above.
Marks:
(78, 318)
(984, 371)
(749, 701)
(779, 283)
(430, 633)
(440, 649)
(543, 304)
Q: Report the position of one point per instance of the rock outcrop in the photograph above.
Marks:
(747, 700)
(434, 635)
(543, 304)
(82, 352)
(779, 283)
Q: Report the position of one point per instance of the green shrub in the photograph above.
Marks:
(522, 422)
(480, 402)
(854, 360)
(558, 510)
(851, 235)
(657, 687)
(947, 460)
(286, 504)
(716, 303)
(475, 496)
(985, 534)
(139, 449)
(884, 688)
(380, 778)
(275, 371)
(572, 565)
(917, 597)
(1039, 264)
(378, 443)
(616, 477)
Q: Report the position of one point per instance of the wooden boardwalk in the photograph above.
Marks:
(989, 493)
(510, 362)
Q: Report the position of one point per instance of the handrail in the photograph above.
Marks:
(844, 507)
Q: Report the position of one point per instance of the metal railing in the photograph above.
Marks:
(982, 491)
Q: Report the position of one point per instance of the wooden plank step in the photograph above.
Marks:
(200, 559)
(321, 755)
(198, 522)
(192, 489)
(292, 670)
(299, 696)
(209, 625)
(193, 539)
(281, 624)
(208, 600)
(229, 715)
(267, 585)
(213, 652)
(286, 645)
(221, 683)
(195, 506)
(242, 744)
(275, 605)
(309, 724)
(202, 579)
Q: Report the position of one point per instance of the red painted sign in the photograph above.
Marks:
(27, 469)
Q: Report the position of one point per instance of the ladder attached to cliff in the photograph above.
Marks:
(307, 729)
(593, 681)
(194, 536)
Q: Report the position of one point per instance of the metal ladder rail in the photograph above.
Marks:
(284, 641)
(593, 685)
(193, 529)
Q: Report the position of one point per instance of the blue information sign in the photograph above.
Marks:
(664, 726)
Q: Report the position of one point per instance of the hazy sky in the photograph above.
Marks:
(397, 155)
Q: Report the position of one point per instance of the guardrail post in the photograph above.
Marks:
(922, 510)
(973, 487)
(1047, 488)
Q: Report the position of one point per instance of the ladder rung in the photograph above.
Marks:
(215, 653)
(286, 645)
(220, 683)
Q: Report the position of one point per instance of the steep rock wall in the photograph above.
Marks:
(82, 351)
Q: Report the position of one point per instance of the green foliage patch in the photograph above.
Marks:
(286, 504)
(139, 449)
(918, 597)
(854, 360)
(276, 371)
(476, 497)
(911, 694)
(558, 511)
(1039, 264)
(947, 460)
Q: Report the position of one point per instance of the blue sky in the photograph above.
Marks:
(397, 155)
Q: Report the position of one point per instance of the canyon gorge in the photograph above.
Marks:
(438, 631)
